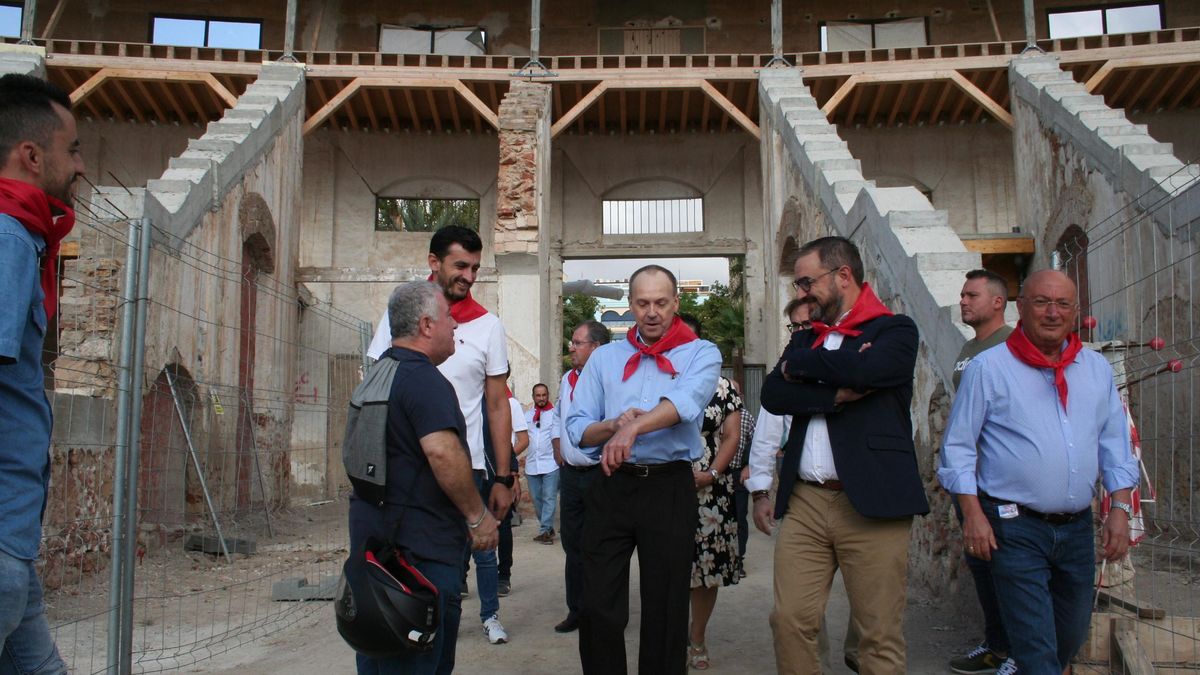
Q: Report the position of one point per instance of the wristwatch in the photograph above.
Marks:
(760, 493)
(506, 481)
(1127, 508)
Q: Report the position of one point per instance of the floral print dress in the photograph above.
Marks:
(715, 563)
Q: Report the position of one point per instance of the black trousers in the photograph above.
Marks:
(657, 515)
(574, 484)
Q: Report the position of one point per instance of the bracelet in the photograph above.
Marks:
(475, 525)
(760, 494)
(713, 472)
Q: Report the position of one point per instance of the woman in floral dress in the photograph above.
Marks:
(716, 561)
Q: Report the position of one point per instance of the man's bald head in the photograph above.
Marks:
(1048, 305)
(1043, 277)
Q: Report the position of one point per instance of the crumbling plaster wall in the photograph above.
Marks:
(967, 169)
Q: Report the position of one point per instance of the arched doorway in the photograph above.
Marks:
(258, 232)
(1072, 248)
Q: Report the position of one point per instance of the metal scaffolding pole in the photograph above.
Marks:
(535, 30)
(117, 601)
(27, 14)
(1030, 28)
(135, 441)
(289, 32)
(777, 59)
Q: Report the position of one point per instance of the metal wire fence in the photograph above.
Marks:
(196, 495)
(1138, 277)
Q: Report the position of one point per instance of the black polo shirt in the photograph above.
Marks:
(422, 401)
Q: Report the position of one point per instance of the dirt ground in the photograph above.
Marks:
(739, 635)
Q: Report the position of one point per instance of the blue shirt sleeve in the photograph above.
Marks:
(18, 277)
(695, 387)
(1118, 466)
(959, 444)
(588, 406)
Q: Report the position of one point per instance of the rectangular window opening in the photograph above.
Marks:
(186, 31)
(860, 35)
(10, 20)
(467, 41)
(653, 216)
(1104, 20)
(422, 214)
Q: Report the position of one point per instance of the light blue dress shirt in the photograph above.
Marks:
(1030, 451)
(600, 394)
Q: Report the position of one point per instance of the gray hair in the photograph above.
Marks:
(410, 303)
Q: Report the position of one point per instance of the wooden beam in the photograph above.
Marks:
(662, 111)
(1093, 83)
(390, 105)
(897, 103)
(729, 96)
(642, 111)
(941, 101)
(365, 97)
(191, 96)
(838, 96)
(452, 97)
(853, 109)
(993, 108)
(579, 108)
(600, 112)
(1126, 80)
(1146, 79)
(704, 108)
(152, 100)
(412, 110)
(318, 118)
(578, 98)
(90, 85)
(962, 102)
(990, 245)
(1184, 90)
(916, 111)
(683, 112)
(624, 113)
(433, 111)
(730, 109)
(220, 90)
(52, 23)
(66, 74)
(469, 96)
(558, 104)
(876, 101)
(751, 98)
(988, 91)
(1127, 656)
(1168, 86)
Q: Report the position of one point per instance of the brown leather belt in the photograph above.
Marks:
(827, 485)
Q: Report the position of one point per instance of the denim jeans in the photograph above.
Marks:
(544, 491)
(28, 647)
(487, 580)
(1043, 576)
(440, 659)
(985, 590)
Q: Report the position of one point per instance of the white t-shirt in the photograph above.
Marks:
(518, 419)
(480, 350)
(540, 459)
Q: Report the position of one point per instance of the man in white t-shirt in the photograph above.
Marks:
(541, 464)
(477, 370)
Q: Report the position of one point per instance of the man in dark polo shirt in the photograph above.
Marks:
(432, 507)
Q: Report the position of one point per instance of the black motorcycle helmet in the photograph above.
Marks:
(385, 607)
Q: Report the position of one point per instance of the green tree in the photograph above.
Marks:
(400, 214)
(689, 303)
(577, 308)
(723, 315)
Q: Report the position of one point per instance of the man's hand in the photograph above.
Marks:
(629, 416)
(501, 500)
(702, 479)
(764, 516)
(558, 458)
(487, 536)
(618, 448)
(845, 395)
(1114, 537)
(745, 474)
(978, 539)
(516, 491)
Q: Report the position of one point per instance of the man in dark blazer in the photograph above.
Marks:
(849, 484)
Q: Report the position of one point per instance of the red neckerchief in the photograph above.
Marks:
(537, 412)
(573, 379)
(1020, 346)
(677, 334)
(34, 209)
(463, 310)
(866, 308)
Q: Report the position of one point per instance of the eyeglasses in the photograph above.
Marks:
(805, 283)
(1041, 304)
(792, 327)
(579, 343)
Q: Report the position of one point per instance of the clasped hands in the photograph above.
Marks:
(619, 446)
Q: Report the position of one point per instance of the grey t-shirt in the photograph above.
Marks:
(974, 348)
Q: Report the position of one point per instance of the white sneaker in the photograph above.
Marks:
(1009, 667)
(495, 630)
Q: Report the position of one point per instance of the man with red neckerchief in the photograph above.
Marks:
(638, 407)
(849, 484)
(39, 166)
(478, 370)
(1035, 422)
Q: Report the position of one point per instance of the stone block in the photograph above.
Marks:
(297, 589)
(931, 261)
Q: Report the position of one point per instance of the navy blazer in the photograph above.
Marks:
(872, 442)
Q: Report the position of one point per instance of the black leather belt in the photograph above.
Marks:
(827, 485)
(581, 469)
(648, 470)
(1052, 518)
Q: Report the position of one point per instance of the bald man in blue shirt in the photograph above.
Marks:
(638, 407)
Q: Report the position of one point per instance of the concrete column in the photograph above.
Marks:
(521, 238)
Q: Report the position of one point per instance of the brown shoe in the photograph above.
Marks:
(567, 625)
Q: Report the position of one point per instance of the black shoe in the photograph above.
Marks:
(567, 625)
(851, 663)
(504, 588)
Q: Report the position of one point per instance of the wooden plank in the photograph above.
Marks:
(916, 111)
(433, 110)
(1093, 83)
(201, 113)
(956, 115)
(390, 104)
(1145, 81)
(642, 111)
(52, 23)
(999, 245)
(728, 95)
(1125, 80)
(578, 98)
(66, 74)
(318, 118)
(452, 97)
(993, 108)
(1117, 600)
(578, 109)
(168, 92)
(412, 109)
(624, 113)
(480, 108)
(988, 91)
(853, 109)
(558, 104)
(152, 100)
(876, 101)
(90, 85)
(705, 105)
(220, 90)
(601, 112)
(936, 112)
(891, 121)
(68, 249)
(683, 112)
(1126, 656)
(838, 96)
(365, 97)
(730, 109)
(662, 111)
(1168, 86)
(1184, 90)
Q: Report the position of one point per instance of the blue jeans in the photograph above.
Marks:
(544, 491)
(28, 647)
(487, 580)
(440, 659)
(985, 589)
(1043, 576)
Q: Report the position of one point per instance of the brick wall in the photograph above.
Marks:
(524, 164)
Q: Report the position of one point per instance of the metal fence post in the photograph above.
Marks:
(118, 603)
(134, 453)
